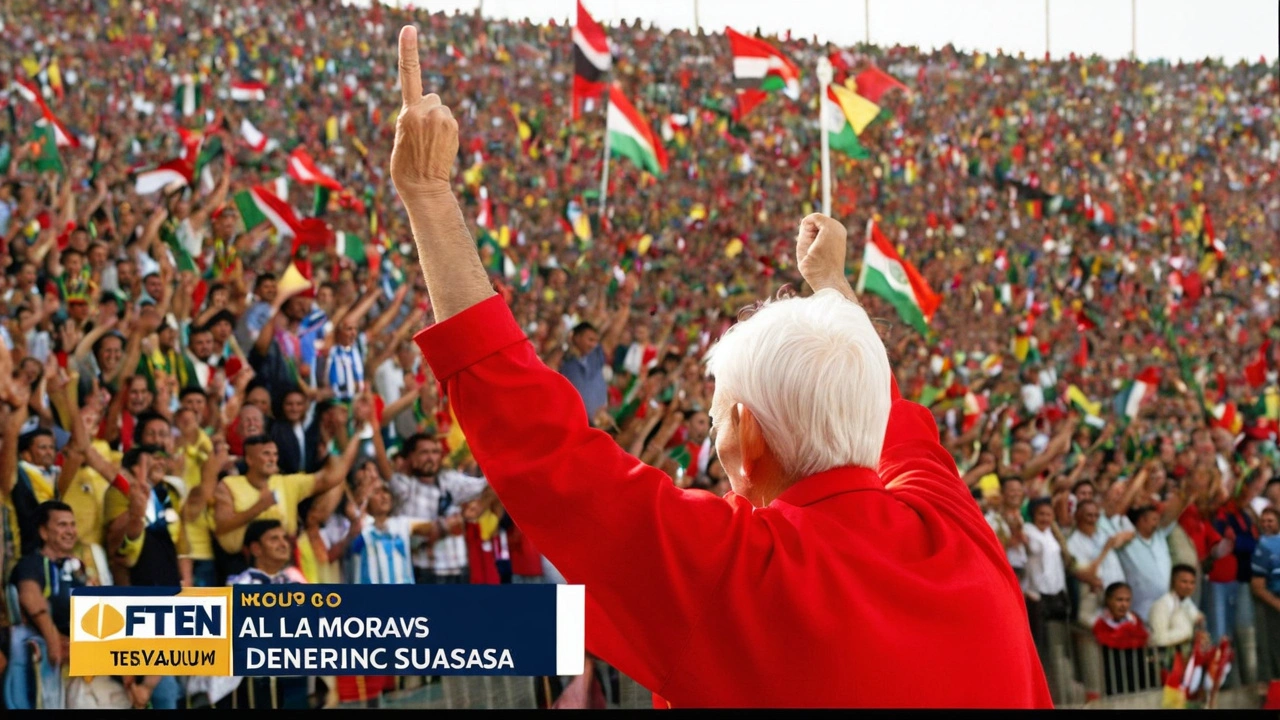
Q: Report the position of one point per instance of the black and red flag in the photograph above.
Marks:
(591, 60)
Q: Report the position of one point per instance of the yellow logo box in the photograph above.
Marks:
(187, 633)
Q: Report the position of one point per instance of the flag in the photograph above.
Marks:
(886, 274)
(248, 91)
(974, 407)
(48, 158)
(759, 68)
(175, 173)
(494, 258)
(484, 218)
(591, 60)
(1225, 416)
(351, 247)
(260, 204)
(55, 78)
(1141, 388)
(303, 169)
(455, 443)
(1255, 373)
(62, 138)
(255, 138)
(631, 137)
(872, 83)
(1092, 411)
(849, 114)
(1212, 243)
(188, 97)
(210, 150)
(320, 202)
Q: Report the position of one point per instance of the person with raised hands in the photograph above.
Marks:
(848, 549)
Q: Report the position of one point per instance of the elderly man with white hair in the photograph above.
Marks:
(849, 566)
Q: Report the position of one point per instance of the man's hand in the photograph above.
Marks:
(266, 500)
(426, 133)
(821, 249)
(140, 489)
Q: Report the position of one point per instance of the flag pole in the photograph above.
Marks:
(825, 74)
(604, 162)
(1133, 30)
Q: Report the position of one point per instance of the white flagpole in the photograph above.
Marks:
(604, 162)
(825, 74)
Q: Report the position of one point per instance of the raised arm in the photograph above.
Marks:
(527, 428)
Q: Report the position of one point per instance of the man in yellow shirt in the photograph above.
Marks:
(261, 494)
(143, 522)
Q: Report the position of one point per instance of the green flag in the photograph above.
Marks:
(320, 205)
(48, 158)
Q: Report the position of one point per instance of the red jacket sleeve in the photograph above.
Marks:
(650, 555)
(919, 471)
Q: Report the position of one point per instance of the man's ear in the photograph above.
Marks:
(750, 436)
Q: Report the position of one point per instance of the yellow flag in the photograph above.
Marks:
(292, 281)
(55, 75)
(331, 130)
(1076, 397)
(858, 110)
(31, 66)
(319, 64)
(455, 440)
(504, 236)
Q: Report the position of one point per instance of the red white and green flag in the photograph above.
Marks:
(261, 204)
(631, 137)
(30, 94)
(887, 274)
(188, 96)
(351, 247)
(758, 69)
(1136, 391)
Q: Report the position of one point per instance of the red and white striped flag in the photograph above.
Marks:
(248, 91)
(253, 137)
(175, 173)
(303, 169)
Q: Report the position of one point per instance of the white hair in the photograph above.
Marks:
(815, 374)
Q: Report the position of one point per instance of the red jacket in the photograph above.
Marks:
(846, 591)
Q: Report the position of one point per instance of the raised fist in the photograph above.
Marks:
(821, 250)
(426, 133)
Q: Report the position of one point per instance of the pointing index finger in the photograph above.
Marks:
(410, 70)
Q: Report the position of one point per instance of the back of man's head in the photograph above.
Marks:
(815, 374)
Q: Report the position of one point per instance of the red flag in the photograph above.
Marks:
(1256, 372)
(591, 60)
(873, 82)
(303, 169)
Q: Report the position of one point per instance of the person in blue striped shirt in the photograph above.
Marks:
(380, 552)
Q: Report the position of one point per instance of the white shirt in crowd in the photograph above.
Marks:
(1017, 554)
(430, 502)
(1147, 565)
(1086, 548)
(1173, 620)
(1046, 572)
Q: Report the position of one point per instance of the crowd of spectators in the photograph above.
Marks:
(177, 410)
